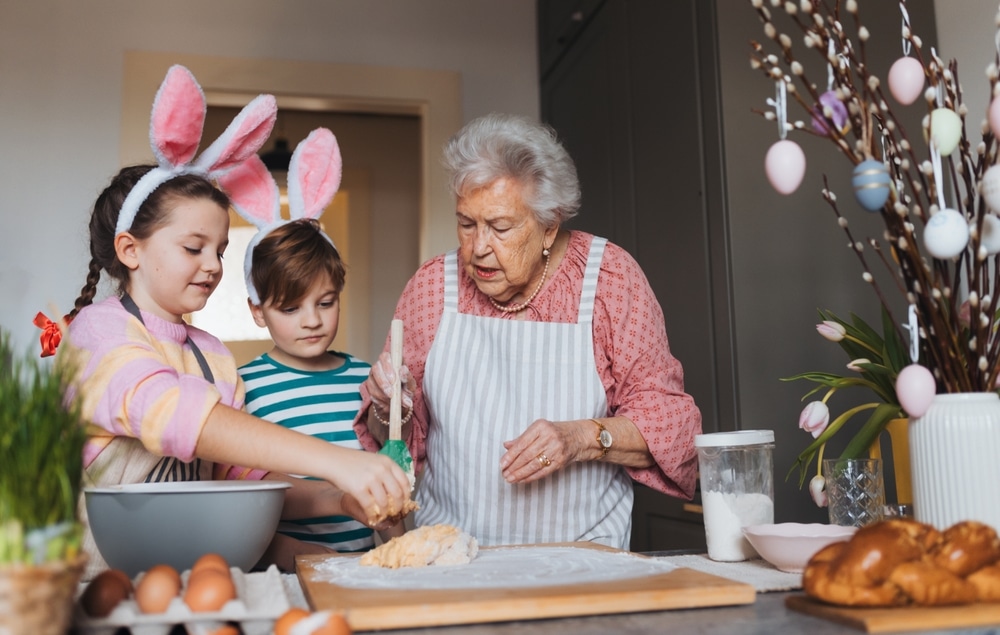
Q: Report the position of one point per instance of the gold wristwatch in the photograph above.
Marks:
(603, 438)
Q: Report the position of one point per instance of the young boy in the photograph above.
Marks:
(298, 277)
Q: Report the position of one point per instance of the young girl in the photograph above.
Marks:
(163, 397)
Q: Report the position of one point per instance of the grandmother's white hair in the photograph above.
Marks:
(497, 146)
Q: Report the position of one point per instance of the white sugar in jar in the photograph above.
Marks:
(736, 471)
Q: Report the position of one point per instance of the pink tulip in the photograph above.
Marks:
(817, 489)
(814, 418)
(855, 364)
(833, 331)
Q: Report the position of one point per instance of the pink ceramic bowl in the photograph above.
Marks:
(788, 546)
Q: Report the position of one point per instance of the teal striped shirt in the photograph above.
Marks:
(322, 404)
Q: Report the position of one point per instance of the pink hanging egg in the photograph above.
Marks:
(906, 80)
(785, 165)
(915, 389)
(994, 116)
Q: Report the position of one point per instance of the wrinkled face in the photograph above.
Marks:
(501, 241)
(304, 329)
(180, 264)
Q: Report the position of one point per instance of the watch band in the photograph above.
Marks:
(601, 432)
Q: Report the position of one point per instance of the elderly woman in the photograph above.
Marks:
(537, 373)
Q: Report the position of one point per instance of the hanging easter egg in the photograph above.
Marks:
(989, 238)
(871, 184)
(994, 116)
(785, 165)
(946, 234)
(946, 130)
(915, 389)
(830, 109)
(906, 80)
(990, 185)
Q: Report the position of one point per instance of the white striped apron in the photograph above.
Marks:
(486, 380)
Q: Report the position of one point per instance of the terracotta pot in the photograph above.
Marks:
(38, 600)
(954, 450)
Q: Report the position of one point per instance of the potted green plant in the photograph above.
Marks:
(41, 442)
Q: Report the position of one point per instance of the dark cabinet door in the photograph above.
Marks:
(631, 98)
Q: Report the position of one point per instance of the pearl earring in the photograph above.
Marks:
(546, 252)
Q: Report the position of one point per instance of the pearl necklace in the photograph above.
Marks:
(524, 305)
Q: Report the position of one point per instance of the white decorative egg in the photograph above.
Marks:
(785, 165)
(946, 234)
(915, 389)
(906, 80)
(991, 187)
(989, 239)
(994, 116)
(946, 130)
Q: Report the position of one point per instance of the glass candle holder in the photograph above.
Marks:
(855, 491)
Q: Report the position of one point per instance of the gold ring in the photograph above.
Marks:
(544, 460)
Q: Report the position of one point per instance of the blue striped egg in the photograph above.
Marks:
(871, 184)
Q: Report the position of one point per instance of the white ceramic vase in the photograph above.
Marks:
(955, 460)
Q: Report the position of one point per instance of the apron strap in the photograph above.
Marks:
(132, 308)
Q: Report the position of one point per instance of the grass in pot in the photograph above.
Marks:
(41, 442)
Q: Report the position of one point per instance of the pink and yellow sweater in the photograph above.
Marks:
(142, 381)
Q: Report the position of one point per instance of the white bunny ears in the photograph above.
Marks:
(313, 179)
(175, 130)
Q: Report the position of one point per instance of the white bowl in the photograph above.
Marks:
(789, 546)
(138, 526)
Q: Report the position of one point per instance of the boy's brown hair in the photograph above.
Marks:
(288, 260)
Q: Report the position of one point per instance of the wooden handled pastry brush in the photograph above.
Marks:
(394, 447)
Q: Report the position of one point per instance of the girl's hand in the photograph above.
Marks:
(374, 484)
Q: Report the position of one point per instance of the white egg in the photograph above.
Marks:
(990, 237)
(946, 234)
(785, 165)
(946, 130)
(990, 185)
(906, 80)
(915, 389)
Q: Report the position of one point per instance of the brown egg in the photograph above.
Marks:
(157, 588)
(104, 592)
(225, 629)
(334, 624)
(210, 561)
(209, 591)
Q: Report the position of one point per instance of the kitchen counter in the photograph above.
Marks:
(768, 615)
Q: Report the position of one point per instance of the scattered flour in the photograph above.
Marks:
(725, 517)
(496, 567)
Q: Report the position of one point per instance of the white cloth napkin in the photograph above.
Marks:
(758, 573)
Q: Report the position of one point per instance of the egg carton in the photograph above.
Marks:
(261, 598)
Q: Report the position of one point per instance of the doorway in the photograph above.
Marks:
(408, 103)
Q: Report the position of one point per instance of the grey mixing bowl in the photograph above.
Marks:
(138, 526)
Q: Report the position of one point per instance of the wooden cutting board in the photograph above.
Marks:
(895, 620)
(369, 609)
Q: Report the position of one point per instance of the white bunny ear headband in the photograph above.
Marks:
(175, 130)
(313, 179)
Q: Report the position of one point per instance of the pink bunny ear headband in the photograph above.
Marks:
(313, 179)
(175, 130)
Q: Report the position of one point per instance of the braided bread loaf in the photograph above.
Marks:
(902, 562)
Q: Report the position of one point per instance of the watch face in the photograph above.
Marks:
(605, 439)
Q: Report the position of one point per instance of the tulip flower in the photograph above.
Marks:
(833, 331)
(817, 489)
(814, 418)
(855, 364)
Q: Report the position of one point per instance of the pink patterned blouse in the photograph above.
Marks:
(643, 381)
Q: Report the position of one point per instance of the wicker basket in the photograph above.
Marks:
(39, 600)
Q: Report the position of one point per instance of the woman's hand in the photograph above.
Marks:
(379, 384)
(544, 448)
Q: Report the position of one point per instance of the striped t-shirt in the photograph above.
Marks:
(321, 404)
